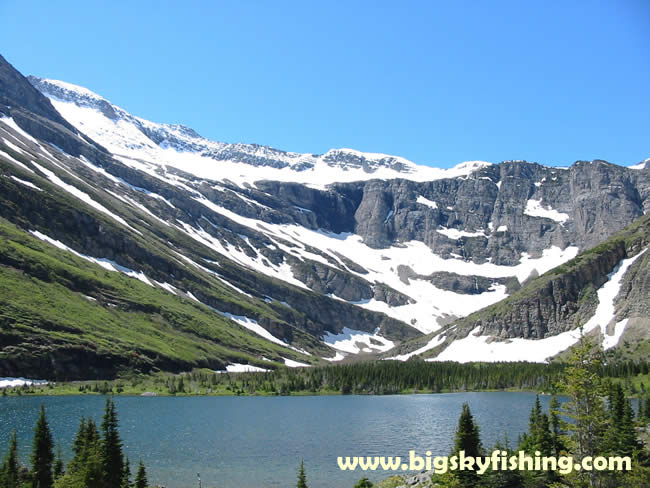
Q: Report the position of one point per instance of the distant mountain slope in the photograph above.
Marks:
(183, 148)
(387, 252)
(604, 292)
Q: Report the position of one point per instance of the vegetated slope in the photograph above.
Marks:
(357, 265)
(113, 225)
(422, 245)
(604, 291)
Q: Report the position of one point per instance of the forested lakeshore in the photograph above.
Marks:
(596, 421)
(596, 418)
(98, 461)
(366, 378)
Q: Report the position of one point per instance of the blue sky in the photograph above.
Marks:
(437, 82)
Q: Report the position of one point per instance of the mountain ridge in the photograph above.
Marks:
(329, 268)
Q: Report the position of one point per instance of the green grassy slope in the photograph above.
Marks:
(63, 317)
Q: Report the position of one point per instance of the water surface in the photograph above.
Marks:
(253, 442)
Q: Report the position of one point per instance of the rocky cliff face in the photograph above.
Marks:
(494, 215)
(601, 290)
(307, 245)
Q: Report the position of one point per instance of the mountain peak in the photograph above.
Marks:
(182, 147)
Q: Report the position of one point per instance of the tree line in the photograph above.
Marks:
(98, 459)
(596, 420)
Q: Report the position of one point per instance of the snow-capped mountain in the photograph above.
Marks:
(183, 148)
(311, 257)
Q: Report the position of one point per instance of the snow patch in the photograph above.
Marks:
(243, 368)
(356, 341)
(107, 264)
(534, 208)
(295, 364)
(11, 382)
(425, 201)
(74, 191)
(457, 234)
(26, 183)
(436, 341)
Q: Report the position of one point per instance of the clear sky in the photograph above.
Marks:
(437, 82)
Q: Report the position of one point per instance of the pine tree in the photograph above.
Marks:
(302, 477)
(499, 478)
(42, 453)
(538, 437)
(10, 472)
(126, 476)
(141, 477)
(59, 467)
(80, 438)
(557, 432)
(467, 435)
(112, 457)
(364, 483)
(586, 408)
(628, 440)
(467, 440)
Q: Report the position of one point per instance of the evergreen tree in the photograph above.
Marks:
(585, 408)
(504, 478)
(141, 477)
(10, 472)
(539, 436)
(302, 477)
(629, 444)
(557, 432)
(126, 476)
(80, 439)
(364, 483)
(42, 453)
(467, 436)
(467, 440)
(112, 457)
(59, 467)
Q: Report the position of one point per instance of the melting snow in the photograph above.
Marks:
(81, 195)
(18, 163)
(295, 364)
(355, 341)
(107, 264)
(7, 382)
(124, 136)
(611, 341)
(253, 326)
(436, 341)
(26, 183)
(427, 202)
(475, 347)
(243, 368)
(534, 208)
(337, 357)
(457, 234)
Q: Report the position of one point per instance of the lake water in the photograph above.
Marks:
(253, 442)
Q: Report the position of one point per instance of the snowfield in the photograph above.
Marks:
(193, 154)
(133, 142)
(476, 347)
